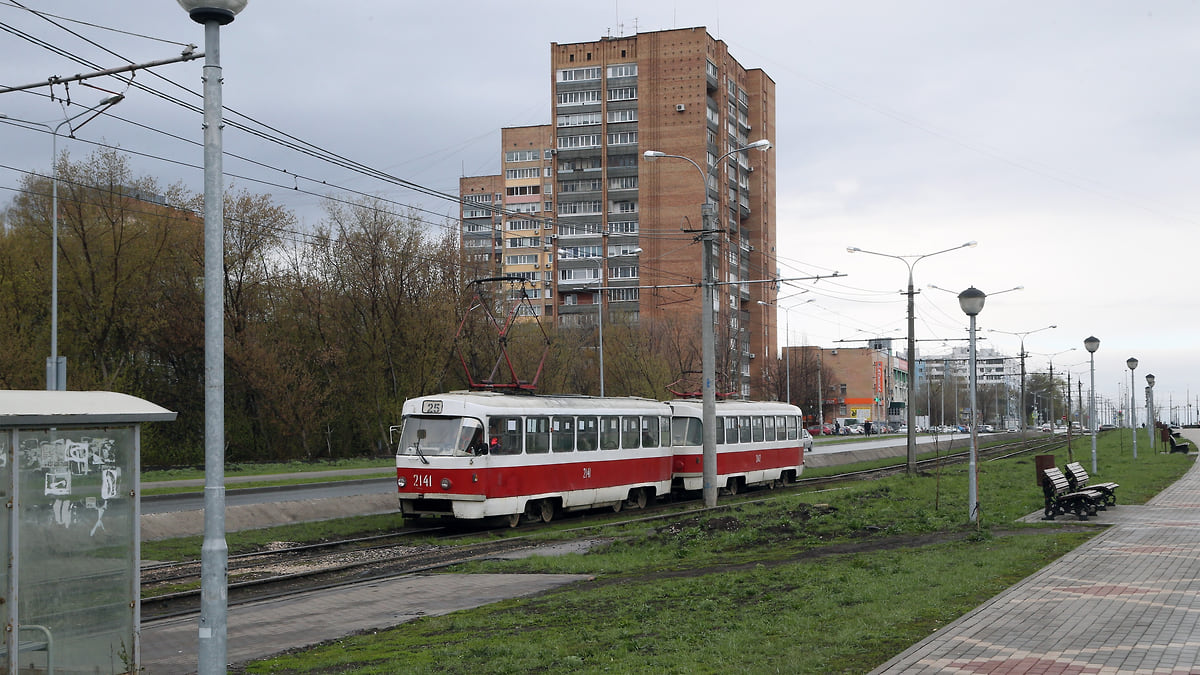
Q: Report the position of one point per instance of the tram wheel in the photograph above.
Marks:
(514, 519)
(616, 507)
(732, 486)
(546, 510)
(637, 499)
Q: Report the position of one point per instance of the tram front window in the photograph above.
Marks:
(441, 437)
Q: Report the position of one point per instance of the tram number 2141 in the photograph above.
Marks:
(422, 480)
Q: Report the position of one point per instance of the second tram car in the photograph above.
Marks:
(758, 443)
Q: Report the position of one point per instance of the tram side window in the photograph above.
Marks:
(792, 429)
(781, 427)
(744, 424)
(537, 435)
(562, 434)
(730, 425)
(664, 430)
(629, 431)
(687, 431)
(650, 432)
(756, 424)
(587, 433)
(504, 435)
(610, 432)
(769, 427)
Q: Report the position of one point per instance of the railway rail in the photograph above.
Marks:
(293, 569)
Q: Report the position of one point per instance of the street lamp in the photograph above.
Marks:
(1151, 418)
(787, 354)
(708, 212)
(56, 366)
(214, 553)
(911, 466)
(600, 308)
(1092, 343)
(1132, 363)
(1023, 354)
(971, 301)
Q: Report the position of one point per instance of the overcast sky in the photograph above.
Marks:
(1061, 136)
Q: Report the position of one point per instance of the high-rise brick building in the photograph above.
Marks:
(581, 213)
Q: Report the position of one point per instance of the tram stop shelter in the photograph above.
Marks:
(69, 471)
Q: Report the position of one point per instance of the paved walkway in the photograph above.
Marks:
(1128, 601)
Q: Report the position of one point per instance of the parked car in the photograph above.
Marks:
(806, 440)
(986, 428)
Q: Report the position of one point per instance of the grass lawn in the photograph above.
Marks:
(823, 582)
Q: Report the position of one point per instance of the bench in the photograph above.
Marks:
(1179, 444)
(1060, 498)
(1079, 480)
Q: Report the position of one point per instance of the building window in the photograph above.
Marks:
(579, 164)
(522, 155)
(579, 97)
(623, 138)
(522, 190)
(615, 250)
(520, 260)
(623, 183)
(579, 274)
(476, 213)
(524, 242)
(585, 185)
(518, 174)
(618, 116)
(477, 199)
(624, 294)
(622, 94)
(623, 227)
(581, 141)
(623, 70)
(578, 74)
(623, 272)
(623, 206)
(579, 119)
(579, 208)
(521, 224)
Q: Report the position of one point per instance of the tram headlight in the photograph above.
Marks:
(401, 481)
(445, 483)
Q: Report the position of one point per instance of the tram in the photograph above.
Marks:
(475, 455)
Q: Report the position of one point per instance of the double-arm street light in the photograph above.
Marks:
(911, 261)
(787, 354)
(708, 359)
(56, 366)
(214, 552)
(600, 291)
(1092, 343)
(1022, 335)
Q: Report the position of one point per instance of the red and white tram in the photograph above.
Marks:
(474, 455)
(758, 443)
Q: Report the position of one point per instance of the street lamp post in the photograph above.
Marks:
(1151, 418)
(1022, 335)
(600, 291)
(1132, 363)
(971, 301)
(214, 553)
(56, 366)
(1092, 344)
(787, 354)
(708, 359)
(911, 261)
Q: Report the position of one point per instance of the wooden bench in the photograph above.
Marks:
(1179, 444)
(1060, 498)
(1079, 480)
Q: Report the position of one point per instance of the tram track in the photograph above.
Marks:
(289, 570)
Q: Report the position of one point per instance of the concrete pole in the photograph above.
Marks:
(972, 478)
(708, 359)
(1095, 428)
(214, 553)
